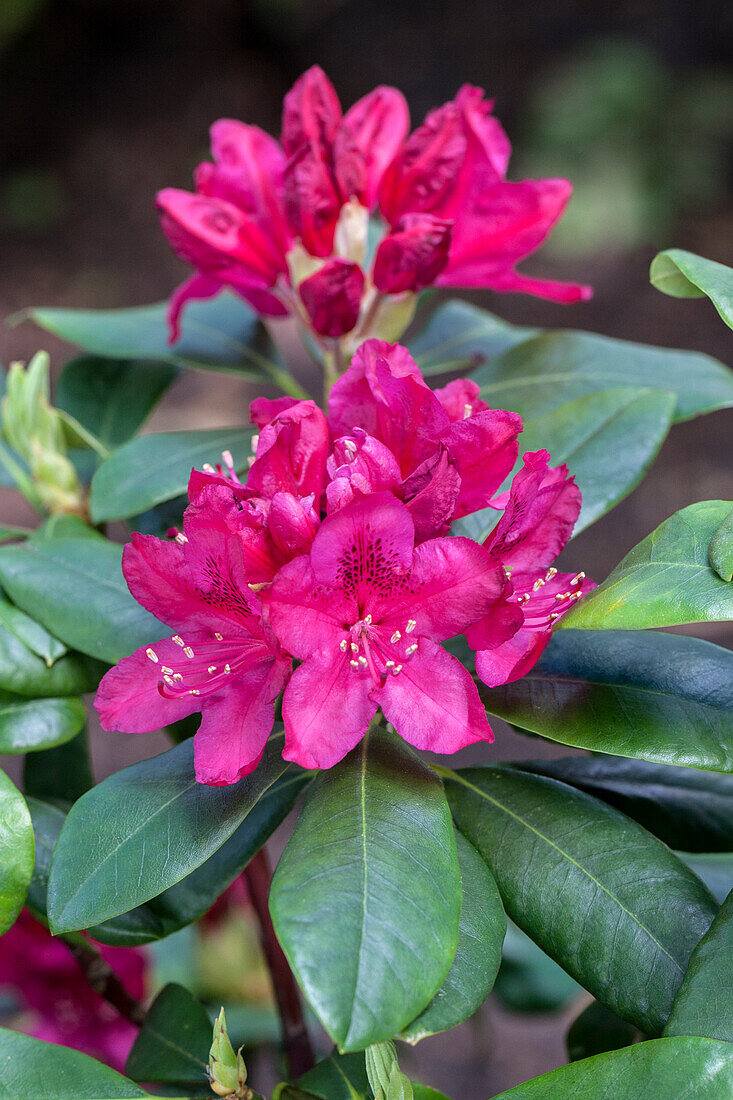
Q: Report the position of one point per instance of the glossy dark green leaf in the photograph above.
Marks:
(173, 1043)
(424, 1092)
(720, 551)
(664, 581)
(604, 898)
(28, 725)
(111, 398)
(701, 1068)
(597, 1030)
(481, 933)
(47, 823)
(30, 633)
(685, 807)
(337, 1077)
(704, 1002)
(459, 337)
(30, 1068)
(629, 423)
(142, 831)
(685, 275)
(372, 868)
(154, 468)
(16, 854)
(75, 587)
(59, 775)
(714, 868)
(222, 333)
(551, 369)
(529, 980)
(659, 697)
(23, 672)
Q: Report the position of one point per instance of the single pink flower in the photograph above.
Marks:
(57, 1003)
(223, 662)
(540, 513)
(291, 454)
(364, 611)
(265, 212)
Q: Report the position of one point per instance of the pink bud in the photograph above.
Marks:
(413, 255)
(332, 297)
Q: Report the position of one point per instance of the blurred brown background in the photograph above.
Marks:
(105, 101)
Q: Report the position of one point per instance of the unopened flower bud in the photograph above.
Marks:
(227, 1071)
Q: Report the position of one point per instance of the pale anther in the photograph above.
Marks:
(343, 645)
(211, 668)
(208, 468)
(194, 691)
(227, 667)
(395, 637)
(255, 441)
(389, 664)
(354, 647)
(169, 680)
(411, 649)
(368, 620)
(396, 669)
(165, 668)
(219, 637)
(178, 640)
(363, 661)
(538, 584)
(177, 676)
(550, 573)
(151, 655)
(467, 410)
(578, 578)
(180, 538)
(227, 459)
(411, 624)
(354, 664)
(189, 652)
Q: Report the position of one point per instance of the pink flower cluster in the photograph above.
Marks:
(336, 553)
(56, 1002)
(285, 224)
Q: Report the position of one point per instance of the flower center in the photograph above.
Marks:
(376, 654)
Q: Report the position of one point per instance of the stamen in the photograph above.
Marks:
(550, 573)
(169, 680)
(411, 649)
(189, 652)
(343, 645)
(354, 664)
(178, 640)
(255, 441)
(226, 457)
(411, 624)
(256, 586)
(251, 461)
(507, 571)
(194, 691)
(363, 662)
(467, 410)
(538, 584)
(164, 668)
(180, 538)
(396, 670)
(151, 655)
(227, 667)
(354, 647)
(395, 637)
(177, 677)
(389, 664)
(211, 668)
(219, 637)
(208, 468)
(368, 620)
(577, 578)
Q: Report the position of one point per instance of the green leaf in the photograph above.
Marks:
(704, 1002)
(701, 1068)
(7, 531)
(597, 1030)
(664, 581)
(481, 932)
(16, 855)
(143, 830)
(28, 725)
(529, 980)
(685, 275)
(22, 672)
(715, 869)
(59, 775)
(173, 1043)
(720, 551)
(154, 468)
(459, 337)
(75, 587)
(424, 1092)
(684, 807)
(222, 333)
(46, 1071)
(549, 370)
(629, 423)
(31, 633)
(337, 1077)
(605, 899)
(372, 867)
(658, 697)
(109, 398)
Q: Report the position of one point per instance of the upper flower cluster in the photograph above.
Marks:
(335, 552)
(287, 224)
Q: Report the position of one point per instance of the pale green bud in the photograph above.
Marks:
(227, 1071)
(379, 1059)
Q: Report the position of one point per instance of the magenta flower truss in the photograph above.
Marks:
(56, 1003)
(335, 553)
(284, 224)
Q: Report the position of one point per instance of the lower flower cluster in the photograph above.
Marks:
(336, 553)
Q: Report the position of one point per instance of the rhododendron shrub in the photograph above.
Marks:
(331, 610)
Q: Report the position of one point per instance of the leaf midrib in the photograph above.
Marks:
(566, 855)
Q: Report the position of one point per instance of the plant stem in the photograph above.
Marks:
(104, 981)
(296, 1041)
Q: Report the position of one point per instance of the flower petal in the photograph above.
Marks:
(195, 288)
(326, 710)
(311, 111)
(514, 658)
(305, 615)
(484, 447)
(433, 702)
(236, 724)
(352, 402)
(292, 453)
(376, 125)
(461, 398)
(413, 254)
(332, 297)
(543, 506)
(431, 495)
